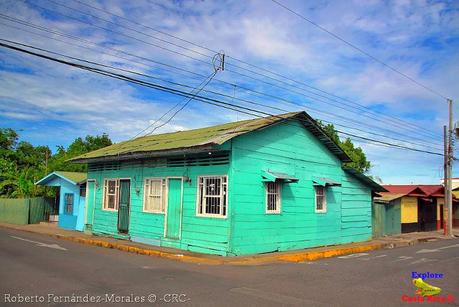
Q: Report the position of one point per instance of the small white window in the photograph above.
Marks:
(155, 193)
(273, 197)
(212, 198)
(111, 192)
(321, 199)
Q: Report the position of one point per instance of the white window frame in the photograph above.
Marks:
(223, 196)
(163, 193)
(105, 195)
(278, 197)
(324, 205)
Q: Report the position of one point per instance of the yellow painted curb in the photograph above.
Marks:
(315, 255)
(249, 260)
(141, 251)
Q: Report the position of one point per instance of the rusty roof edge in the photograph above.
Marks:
(151, 154)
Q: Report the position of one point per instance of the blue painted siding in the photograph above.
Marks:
(75, 220)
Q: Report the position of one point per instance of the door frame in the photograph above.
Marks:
(129, 206)
(94, 183)
(167, 206)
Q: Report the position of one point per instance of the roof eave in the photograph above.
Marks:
(149, 154)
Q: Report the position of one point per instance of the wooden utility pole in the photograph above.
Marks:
(445, 180)
(448, 183)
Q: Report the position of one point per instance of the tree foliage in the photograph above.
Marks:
(22, 164)
(358, 157)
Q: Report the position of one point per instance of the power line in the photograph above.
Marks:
(182, 85)
(241, 74)
(215, 102)
(131, 29)
(184, 105)
(251, 102)
(249, 64)
(361, 50)
(198, 89)
(122, 34)
(338, 106)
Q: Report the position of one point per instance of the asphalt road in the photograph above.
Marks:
(59, 272)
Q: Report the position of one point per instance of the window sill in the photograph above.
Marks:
(211, 216)
(110, 210)
(153, 212)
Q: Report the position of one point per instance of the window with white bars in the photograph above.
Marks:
(155, 193)
(273, 197)
(212, 198)
(111, 193)
(68, 197)
(320, 199)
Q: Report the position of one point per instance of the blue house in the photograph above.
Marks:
(72, 196)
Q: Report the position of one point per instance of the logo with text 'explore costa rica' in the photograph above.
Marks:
(426, 292)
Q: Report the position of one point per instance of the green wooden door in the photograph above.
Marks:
(123, 207)
(378, 220)
(90, 200)
(174, 204)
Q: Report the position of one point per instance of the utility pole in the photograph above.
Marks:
(448, 183)
(445, 180)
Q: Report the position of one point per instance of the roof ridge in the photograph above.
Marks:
(180, 142)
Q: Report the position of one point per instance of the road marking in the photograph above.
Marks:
(53, 246)
(423, 251)
(449, 246)
(276, 297)
(369, 258)
(401, 258)
(423, 260)
(353, 256)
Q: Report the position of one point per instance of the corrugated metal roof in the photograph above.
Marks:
(272, 176)
(324, 181)
(201, 139)
(386, 197)
(435, 190)
(407, 189)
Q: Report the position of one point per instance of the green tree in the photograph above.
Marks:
(22, 164)
(358, 157)
(79, 146)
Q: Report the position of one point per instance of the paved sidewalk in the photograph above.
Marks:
(289, 256)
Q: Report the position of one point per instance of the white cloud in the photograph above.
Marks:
(257, 31)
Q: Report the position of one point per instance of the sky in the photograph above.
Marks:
(172, 43)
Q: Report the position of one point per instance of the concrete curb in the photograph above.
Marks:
(299, 256)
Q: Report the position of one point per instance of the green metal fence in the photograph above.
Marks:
(26, 210)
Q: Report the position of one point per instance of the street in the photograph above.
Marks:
(61, 272)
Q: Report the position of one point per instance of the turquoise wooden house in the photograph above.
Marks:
(71, 195)
(253, 186)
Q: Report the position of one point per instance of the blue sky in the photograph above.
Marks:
(53, 104)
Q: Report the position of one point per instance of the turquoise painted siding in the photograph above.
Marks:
(74, 221)
(356, 210)
(291, 149)
(202, 234)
